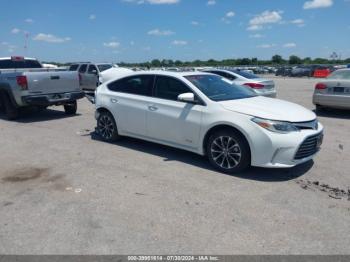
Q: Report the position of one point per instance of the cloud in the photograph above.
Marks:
(157, 32)
(29, 21)
(179, 42)
(266, 46)
(15, 31)
(195, 23)
(230, 14)
(50, 38)
(298, 22)
(266, 17)
(317, 4)
(254, 27)
(289, 45)
(92, 17)
(153, 2)
(256, 36)
(211, 2)
(227, 18)
(112, 44)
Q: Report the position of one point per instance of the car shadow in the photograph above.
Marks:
(34, 115)
(333, 113)
(174, 154)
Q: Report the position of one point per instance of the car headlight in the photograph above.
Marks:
(275, 126)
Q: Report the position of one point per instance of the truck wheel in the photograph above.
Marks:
(71, 109)
(11, 111)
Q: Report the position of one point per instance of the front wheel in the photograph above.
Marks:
(228, 151)
(71, 108)
(106, 127)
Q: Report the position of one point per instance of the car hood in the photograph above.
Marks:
(270, 108)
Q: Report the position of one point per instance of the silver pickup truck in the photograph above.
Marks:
(25, 83)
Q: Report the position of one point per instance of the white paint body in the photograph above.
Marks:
(185, 125)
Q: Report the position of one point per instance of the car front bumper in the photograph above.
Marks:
(276, 150)
(330, 100)
(52, 99)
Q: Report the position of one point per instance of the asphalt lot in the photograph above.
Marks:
(65, 192)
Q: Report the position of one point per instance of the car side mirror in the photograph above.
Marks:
(186, 97)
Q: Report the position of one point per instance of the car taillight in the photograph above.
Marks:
(79, 78)
(22, 82)
(254, 85)
(320, 86)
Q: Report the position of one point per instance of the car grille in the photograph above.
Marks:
(309, 147)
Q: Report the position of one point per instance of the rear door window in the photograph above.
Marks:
(82, 68)
(138, 85)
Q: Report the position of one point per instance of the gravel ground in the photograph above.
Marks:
(65, 192)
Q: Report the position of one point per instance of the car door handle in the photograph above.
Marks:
(152, 108)
(114, 100)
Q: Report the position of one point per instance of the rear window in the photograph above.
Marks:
(342, 74)
(10, 64)
(246, 74)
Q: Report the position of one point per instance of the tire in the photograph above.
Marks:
(71, 109)
(319, 109)
(106, 127)
(228, 151)
(11, 111)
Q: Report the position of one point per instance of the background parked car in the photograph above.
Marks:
(322, 71)
(93, 74)
(260, 86)
(283, 71)
(334, 91)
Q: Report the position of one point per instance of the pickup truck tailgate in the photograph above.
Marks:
(52, 82)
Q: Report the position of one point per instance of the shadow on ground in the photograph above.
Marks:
(333, 113)
(173, 154)
(35, 115)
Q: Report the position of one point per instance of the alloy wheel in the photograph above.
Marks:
(106, 127)
(226, 152)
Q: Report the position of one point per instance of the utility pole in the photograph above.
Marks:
(26, 37)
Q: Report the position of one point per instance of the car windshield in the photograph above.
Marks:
(245, 74)
(104, 67)
(341, 74)
(218, 88)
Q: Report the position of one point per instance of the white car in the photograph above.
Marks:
(260, 86)
(205, 114)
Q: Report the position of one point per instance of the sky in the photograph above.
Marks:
(142, 30)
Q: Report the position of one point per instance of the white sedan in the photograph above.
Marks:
(206, 114)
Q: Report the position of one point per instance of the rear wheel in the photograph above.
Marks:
(106, 127)
(11, 111)
(71, 108)
(228, 151)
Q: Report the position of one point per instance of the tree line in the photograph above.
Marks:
(275, 60)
